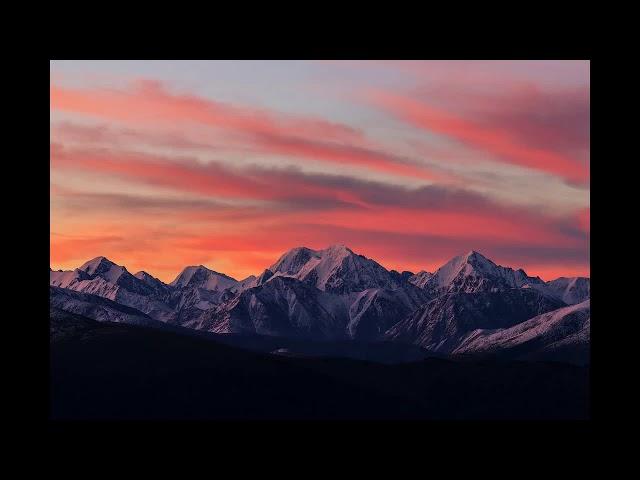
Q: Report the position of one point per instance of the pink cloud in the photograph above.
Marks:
(308, 208)
(497, 139)
(149, 103)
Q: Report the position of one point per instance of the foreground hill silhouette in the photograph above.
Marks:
(101, 370)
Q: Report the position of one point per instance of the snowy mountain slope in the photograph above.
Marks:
(292, 261)
(282, 306)
(196, 289)
(564, 329)
(193, 298)
(441, 324)
(157, 285)
(571, 322)
(420, 279)
(286, 306)
(201, 277)
(263, 278)
(473, 272)
(372, 312)
(334, 294)
(103, 278)
(65, 304)
(571, 290)
(63, 278)
(104, 268)
(335, 269)
(96, 307)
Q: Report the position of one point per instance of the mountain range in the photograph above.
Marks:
(470, 306)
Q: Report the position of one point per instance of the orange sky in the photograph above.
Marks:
(159, 165)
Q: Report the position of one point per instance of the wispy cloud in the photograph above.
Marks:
(407, 162)
(511, 137)
(149, 103)
(302, 207)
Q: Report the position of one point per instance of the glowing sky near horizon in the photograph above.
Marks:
(159, 165)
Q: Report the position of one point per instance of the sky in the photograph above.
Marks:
(162, 164)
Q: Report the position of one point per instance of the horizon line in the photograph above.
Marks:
(315, 250)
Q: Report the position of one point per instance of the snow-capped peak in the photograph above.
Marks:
(293, 260)
(65, 278)
(570, 290)
(462, 264)
(478, 260)
(96, 265)
(202, 277)
(473, 271)
(336, 268)
(142, 275)
(104, 268)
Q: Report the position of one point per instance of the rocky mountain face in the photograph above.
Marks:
(96, 307)
(335, 269)
(201, 277)
(286, 306)
(334, 295)
(566, 330)
(104, 278)
(194, 290)
(372, 312)
(283, 306)
(420, 279)
(441, 324)
(472, 272)
(571, 290)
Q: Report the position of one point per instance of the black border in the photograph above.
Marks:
(412, 45)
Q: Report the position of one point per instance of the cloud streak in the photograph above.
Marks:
(497, 138)
(302, 207)
(409, 163)
(149, 103)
